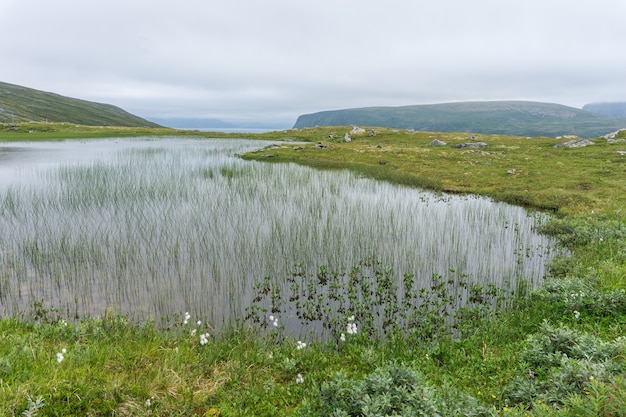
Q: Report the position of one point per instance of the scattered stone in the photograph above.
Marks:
(371, 133)
(298, 148)
(288, 139)
(438, 142)
(320, 145)
(382, 162)
(331, 136)
(511, 172)
(379, 146)
(471, 145)
(575, 143)
(272, 147)
(614, 141)
(472, 137)
(347, 138)
(623, 153)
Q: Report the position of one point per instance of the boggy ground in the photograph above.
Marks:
(559, 351)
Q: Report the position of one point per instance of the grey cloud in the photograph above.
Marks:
(276, 59)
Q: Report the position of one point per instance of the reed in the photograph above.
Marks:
(156, 227)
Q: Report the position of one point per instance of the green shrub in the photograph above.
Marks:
(393, 390)
(558, 362)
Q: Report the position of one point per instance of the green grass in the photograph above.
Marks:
(112, 368)
(564, 181)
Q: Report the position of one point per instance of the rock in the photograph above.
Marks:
(614, 141)
(331, 136)
(320, 145)
(288, 139)
(298, 148)
(356, 131)
(347, 138)
(471, 145)
(438, 142)
(382, 162)
(613, 134)
(511, 172)
(623, 153)
(575, 143)
(371, 133)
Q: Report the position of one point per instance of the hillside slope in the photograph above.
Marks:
(22, 104)
(617, 109)
(521, 118)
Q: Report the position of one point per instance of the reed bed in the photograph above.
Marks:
(152, 228)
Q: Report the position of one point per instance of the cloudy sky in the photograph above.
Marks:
(272, 60)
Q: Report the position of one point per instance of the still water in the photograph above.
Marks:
(156, 227)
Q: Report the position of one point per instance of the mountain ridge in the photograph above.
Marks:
(509, 117)
(23, 104)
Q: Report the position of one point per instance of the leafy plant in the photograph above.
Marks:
(373, 299)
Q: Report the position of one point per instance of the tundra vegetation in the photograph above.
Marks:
(554, 350)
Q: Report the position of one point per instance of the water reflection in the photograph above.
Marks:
(157, 227)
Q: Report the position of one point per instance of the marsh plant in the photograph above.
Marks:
(372, 301)
(155, 227)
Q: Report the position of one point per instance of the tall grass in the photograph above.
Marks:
(156, 227)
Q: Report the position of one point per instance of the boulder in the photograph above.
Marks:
(471, 145)
(356, 131)
(613, 134)
(438, 142)
(575, 143)
(347, 138)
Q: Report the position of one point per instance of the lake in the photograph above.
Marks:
(157, 227)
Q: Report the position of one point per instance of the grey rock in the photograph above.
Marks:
(574, 143)
(438, 142)
(471, 145)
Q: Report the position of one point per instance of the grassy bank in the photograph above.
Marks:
(559, 351)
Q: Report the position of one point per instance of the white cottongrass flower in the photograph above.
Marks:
(199, 322)
(273, 320)
(148, 402)
(299, 379)
(187, 317)
(60, 357)
(351, 328)
(576, 314)
(300, 345)
(204, 338)
(342, 337)
(193, 332)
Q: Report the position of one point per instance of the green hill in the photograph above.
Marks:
(21, 104)
(520, 118)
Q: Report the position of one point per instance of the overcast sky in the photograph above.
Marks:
(272, 60)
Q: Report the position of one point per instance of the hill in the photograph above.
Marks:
(519, 118)
(22, 104)
(607, 109)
